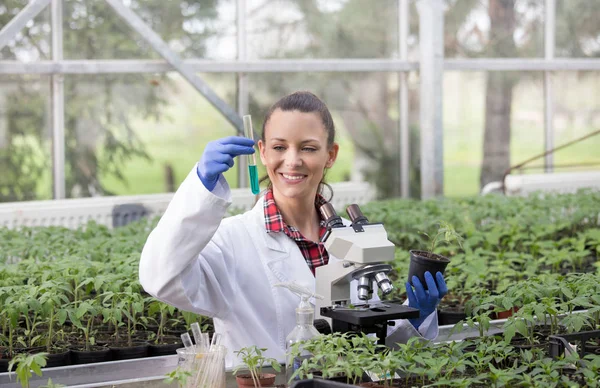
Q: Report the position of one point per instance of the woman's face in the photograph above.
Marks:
(295, 152)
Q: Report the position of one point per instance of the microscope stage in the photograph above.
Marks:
(375, 314)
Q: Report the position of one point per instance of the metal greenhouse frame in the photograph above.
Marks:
(431, 66)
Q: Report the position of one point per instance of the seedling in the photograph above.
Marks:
(445, 231)
(179, 375)
(25, 364)
(253, 360)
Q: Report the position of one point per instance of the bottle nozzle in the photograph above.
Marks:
(303, 292)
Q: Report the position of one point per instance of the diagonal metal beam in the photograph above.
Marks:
(17, 23)
(172, 58)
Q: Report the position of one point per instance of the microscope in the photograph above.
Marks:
(364, 250)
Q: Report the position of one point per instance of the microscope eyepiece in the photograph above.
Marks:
(332, 220)
(356, 215)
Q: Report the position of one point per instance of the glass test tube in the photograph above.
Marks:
(252, 169)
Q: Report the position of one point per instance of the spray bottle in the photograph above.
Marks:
(304, 330)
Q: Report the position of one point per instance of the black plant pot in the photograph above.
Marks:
(100, 354)
(165, 349)
(4, 365)
(450, 317)
(423, 261)
(124, 352)
(62, 358)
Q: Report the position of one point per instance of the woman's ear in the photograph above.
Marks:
(333, 152)
(261, 149)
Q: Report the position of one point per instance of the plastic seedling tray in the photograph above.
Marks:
(561, 343)
(318, 383)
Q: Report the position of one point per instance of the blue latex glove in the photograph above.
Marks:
(218, 158)
(425, 301)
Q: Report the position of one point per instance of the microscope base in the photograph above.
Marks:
(365, 319)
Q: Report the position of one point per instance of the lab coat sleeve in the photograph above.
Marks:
(185, 258)
(403, 330)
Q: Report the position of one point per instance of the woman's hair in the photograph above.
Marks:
(305, 102)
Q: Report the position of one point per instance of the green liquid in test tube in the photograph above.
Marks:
(252, 170)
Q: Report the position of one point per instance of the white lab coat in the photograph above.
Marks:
(225, 268)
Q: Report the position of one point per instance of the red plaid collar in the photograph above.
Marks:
(314, 252)
(274, 220)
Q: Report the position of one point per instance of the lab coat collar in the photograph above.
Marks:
(283, 257)
(271, 239)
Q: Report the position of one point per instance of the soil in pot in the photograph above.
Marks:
(144, 335)
(176, 330)
(122, 351)
(167, 345)
(264, 380)
(33, 350)
(423, 261)
(96, 354)
(105, 338)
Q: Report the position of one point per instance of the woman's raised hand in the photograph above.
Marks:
(218, 158)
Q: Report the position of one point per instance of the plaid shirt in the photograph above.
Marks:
(314, 253)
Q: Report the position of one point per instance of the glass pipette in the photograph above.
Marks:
(252, 170)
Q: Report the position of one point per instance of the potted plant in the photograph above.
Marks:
(129, 305)
(422, 261)
(161, 344)
(253, 360)
(86, 350)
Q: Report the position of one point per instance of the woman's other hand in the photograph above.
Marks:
(425, 301)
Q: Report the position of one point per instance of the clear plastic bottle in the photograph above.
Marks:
(304, 329)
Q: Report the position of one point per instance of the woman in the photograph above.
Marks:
(225, 268)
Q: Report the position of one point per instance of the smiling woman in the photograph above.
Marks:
(297, 146)
(227, 268)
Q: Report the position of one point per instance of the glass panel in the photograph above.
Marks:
(322, 29)
(32, 43)
(577, 28)
(413, 31)
(25, 143)
(509, 106)
(139, 134)
(92, 30)
(192, 29)
(494, 28)
(365, 110)
(577, 113)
